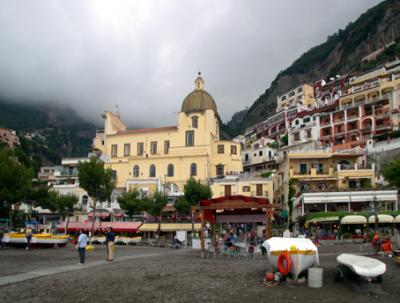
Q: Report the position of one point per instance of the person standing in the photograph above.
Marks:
(28, 237)
(1, 239)
(110, 239)
(81, 246)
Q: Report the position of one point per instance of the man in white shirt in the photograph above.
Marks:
(81, 246)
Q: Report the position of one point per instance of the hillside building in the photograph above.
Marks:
(311, 168)
(369, 106)
(301, 97)
(9, 137)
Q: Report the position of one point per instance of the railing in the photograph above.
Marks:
(383, 115)
(395, 76)
(263, 194)
(384, 126)
(341, 167)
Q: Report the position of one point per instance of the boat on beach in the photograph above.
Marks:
(302, 252)
(38, 240)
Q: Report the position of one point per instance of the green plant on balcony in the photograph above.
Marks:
(266, 174)
(285, 140)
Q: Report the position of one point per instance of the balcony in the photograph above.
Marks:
(263, 194)
(312, 173)
(353, 167)
(383, 126)
(383, 115)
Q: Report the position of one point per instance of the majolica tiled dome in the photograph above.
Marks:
(198, 100)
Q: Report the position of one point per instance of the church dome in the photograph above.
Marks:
(198, 100)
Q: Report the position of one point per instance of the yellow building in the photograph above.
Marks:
(321, 170)
(301, 96)
(243, 185)
(163, 159)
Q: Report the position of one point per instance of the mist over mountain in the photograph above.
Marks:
(47, 132)
(340, 54)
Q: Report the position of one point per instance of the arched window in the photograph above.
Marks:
(136, 171)
(85, 200)
(152, 171)
(220, 170)
(195, 122)
(170, 172)
(193, 169)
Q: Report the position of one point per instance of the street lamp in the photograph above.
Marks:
(375, 204)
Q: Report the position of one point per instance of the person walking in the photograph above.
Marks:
(81, 246)
(110, 239)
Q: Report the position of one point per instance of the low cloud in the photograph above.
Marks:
(144, 55)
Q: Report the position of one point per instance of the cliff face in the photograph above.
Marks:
(57, 130)
(340, 54)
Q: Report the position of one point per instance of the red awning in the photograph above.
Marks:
(99, 226)
(118, 215)
(169, 208)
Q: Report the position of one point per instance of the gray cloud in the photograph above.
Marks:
(144, 55)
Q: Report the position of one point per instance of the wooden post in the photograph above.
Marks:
(214, 234)
(268, 227)
(202, 234)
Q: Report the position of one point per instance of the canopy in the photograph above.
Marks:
(348, 196)
(381, 219)
(116, 226)
(232, 208)
(326, 219)
(354, 219)
(169, 227)
(397, 219)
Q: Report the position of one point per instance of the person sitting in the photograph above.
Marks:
(176, 243)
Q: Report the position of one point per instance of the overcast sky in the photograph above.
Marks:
(144, 55)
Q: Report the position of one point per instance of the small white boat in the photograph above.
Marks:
(42, 239)
(361, 266)
(302, 252)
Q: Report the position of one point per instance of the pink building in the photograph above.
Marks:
(9, 136)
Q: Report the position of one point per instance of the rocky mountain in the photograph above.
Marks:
(340, 54)
(47, 132)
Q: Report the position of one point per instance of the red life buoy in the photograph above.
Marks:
(284, 264)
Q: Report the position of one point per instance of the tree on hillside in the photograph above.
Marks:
(64, 205)
(15, 181)
(195, 192)
(154, 206)
(97, 181)
(130, 202)
(392, 173)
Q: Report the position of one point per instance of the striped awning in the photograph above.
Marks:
(169, 226)
(99, 226)
(354, 219)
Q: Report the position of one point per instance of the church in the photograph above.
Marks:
(164, 158)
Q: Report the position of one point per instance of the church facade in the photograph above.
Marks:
(164, 158)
